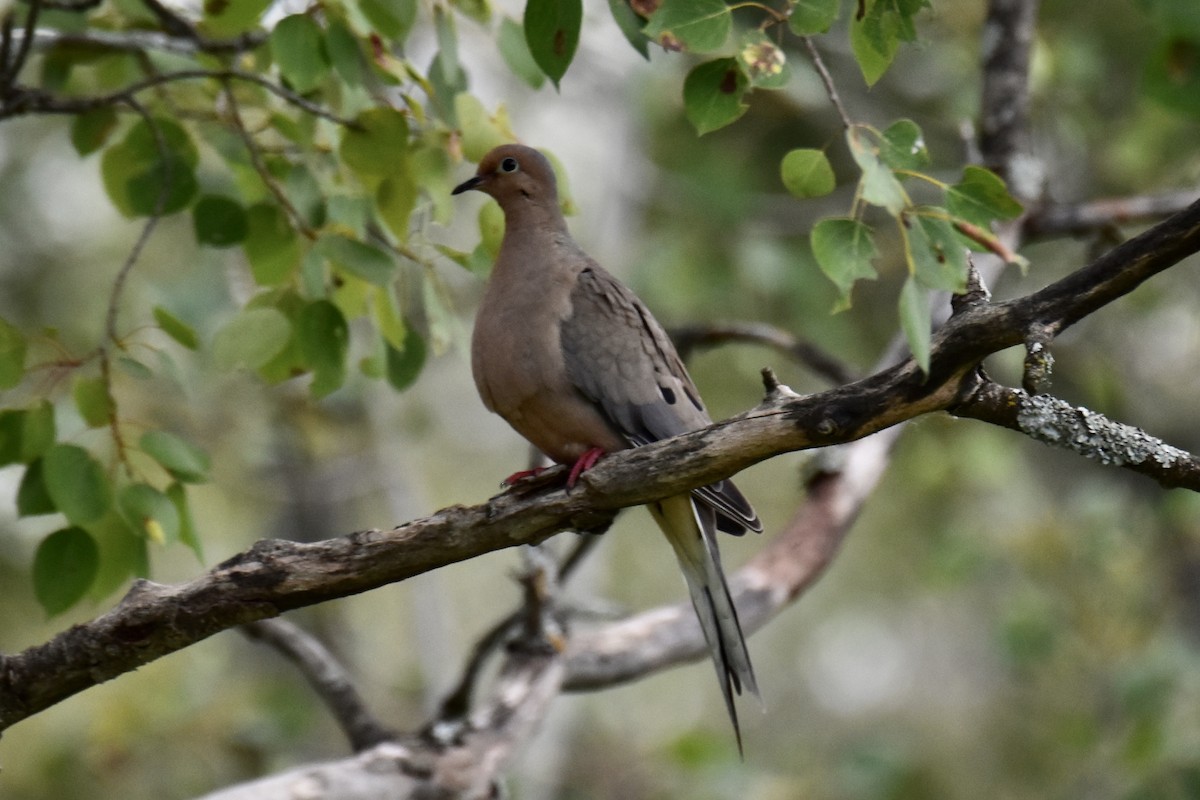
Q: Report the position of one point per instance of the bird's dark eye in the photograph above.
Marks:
(508, 165)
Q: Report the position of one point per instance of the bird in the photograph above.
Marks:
(575, 362)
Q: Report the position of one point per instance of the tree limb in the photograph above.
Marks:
(274, 576)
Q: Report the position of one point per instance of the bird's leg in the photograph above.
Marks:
(583, 464)
(522, 475)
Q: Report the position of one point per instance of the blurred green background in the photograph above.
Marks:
(1006, 620)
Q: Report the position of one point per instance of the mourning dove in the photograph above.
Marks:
(576, 363)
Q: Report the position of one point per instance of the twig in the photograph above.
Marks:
(297, 220)
(138, 41)
(1078, 218)
(326, 676)
(35, 102)
(690, 337)
(118, 287)
(827, 79)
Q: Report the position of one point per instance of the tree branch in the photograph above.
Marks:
(327, 677)
(275, 576)
(691, 337)
(1078, 218)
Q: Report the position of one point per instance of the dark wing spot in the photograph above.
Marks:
(668, 395)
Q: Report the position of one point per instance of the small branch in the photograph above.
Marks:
(1008, 34)
(140, 41)
(36, 102)
(692, 337)
(827, 79)
(1080, 218)
(264, 174)
(327, 677)
(1088, 433)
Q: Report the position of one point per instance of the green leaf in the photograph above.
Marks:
(478, 10)
(91, 129)
(481, 131)
(491, 227)
(935, 253)
(630, 25)
(358, 258)
(1172, 76)
(844, 249)
(813, 16)
(375, 145)
(552, 33)
(981, 197)
(878, 185)
(176, 328)
(324, 339)
(807, 173)
(134, 368)
(187, 526)
(876, 37)
(93, 401)
(37, 431)
(123, 553)
(33, 499)
(251, 339)
(516, 54)
(76, 483)
(231, 17)
(185, 461)
(298, 47)
(392, 18)
(700, 26)
(136, 173)
(12, 421)
(150, 512)
(903, 146)
(403, 366)
(916, 320)
(712, 94)
(385, 313)
(345, 52)
(12, 355)
(219, 221)
(395, 199)
(64, 568)
(446, 63)
(271, 246)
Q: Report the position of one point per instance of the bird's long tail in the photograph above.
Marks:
(691, 529)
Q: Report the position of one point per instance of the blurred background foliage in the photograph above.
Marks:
(1006, 620)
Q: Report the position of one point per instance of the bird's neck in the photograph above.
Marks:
(533, 219)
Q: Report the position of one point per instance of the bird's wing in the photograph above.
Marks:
(620, 358)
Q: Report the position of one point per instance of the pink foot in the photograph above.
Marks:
(583, 464)
(522, 475)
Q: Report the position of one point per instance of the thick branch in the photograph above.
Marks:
(274, 576)
(1007, 42)
(1088, 433)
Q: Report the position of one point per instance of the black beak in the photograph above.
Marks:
(467, 185)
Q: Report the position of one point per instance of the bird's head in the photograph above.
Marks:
(512, 173)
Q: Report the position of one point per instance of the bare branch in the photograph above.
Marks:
(807, 354)
(827, 79)
(327, 677)
(141, 41)
(37, 102)
(1079, 218)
